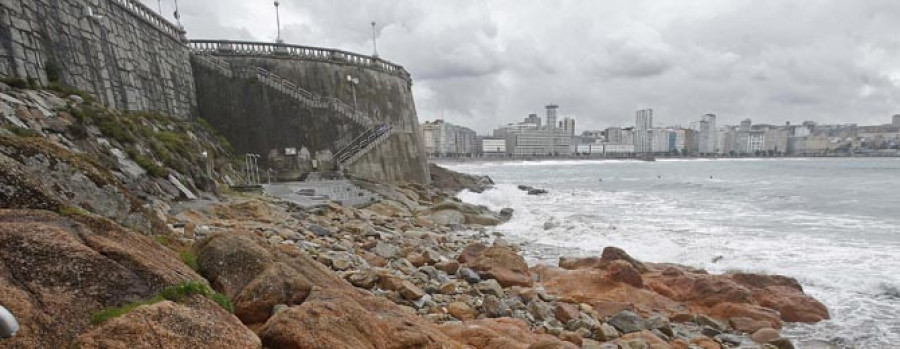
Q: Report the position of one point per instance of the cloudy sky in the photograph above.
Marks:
(482, 63)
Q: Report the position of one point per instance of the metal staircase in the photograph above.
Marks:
(374, 135)
(363, 143)
(285, 87)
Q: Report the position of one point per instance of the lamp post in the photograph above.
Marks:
(159, 6)
(177, 16)
(374, 44)
(353, 82)
(278, 23)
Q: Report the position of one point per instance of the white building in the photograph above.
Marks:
(445, 139)
(643, 123)
(493, 146)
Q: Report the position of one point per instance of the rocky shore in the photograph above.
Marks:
(122, 258)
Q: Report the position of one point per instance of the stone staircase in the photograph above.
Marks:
(363, 143)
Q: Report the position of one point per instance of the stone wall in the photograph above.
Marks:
(118, 50)
(383, 94)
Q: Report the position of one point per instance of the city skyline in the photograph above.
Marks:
(483, 63)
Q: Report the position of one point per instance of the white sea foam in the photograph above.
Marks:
(759, 217)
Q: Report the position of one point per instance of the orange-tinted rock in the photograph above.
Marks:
(334, 319)
(565, 312)
(754, 312)
(706, 290)
(504, 265)
(502, 333)
(706, 343)
(55, 271)
(764, 335)
(471, 251)
(449, 267)
(579, 263)
(793, 305)
(646, 336)
(611, 254)
(593, 288)
(461, 311)
(196, 322)
(623, 271)
(571, 337)
(747, 325)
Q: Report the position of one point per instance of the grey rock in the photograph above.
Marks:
(730, 339)
(627, 322)
(490, 287)
(468, 274)
(607, 332)
(386, 250)
(660, 323)
(709, 331)
(319, 230)
(704, 320)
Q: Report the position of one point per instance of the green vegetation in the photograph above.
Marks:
(53, 71)
(16, 83)
(190, 259)
(174, 293)
(73, 211)
(22, 131)
(147, 164)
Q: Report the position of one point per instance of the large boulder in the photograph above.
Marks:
(195, 322)
(453, 182)
(331, 318)
(256, 276)
(794, 306)
(504, 265)
(55, 271)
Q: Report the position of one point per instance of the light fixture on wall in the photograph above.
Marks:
(353, 82)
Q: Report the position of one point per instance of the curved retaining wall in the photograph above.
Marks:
(118, 50)
(383, 93)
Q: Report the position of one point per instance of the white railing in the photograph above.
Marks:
(144, 13)
(363, 143)
(247, 48)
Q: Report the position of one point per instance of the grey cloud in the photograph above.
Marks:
(481, 63)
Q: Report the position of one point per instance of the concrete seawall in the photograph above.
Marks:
(118, 50)
(383, 93)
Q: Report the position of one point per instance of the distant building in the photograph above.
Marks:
(896, 121)
(659, 141)
(552, 109)
(618, 149)
(445, 139)
(539, 142)
(643, 123)
(493, 146)
(568, 124)
(533, 119)
(685, 141)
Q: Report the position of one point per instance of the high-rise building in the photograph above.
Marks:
(712, 139)
(446, 139)
(533, 119)
(643, 123)
(896, 121)
(568, 124)
(551, 115)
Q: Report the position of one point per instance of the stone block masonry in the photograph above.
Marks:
(122, 52)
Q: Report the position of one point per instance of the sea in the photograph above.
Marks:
(833, 224)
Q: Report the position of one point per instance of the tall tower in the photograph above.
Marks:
(568, 124)
(896, 121)
(643, 123)
(551, 115)
(712, 140)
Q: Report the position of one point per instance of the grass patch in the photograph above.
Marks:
(22, 131)
(189, 259)
(174, 293)
(112, 313)
(16, 83)
(73, 211)
(147, 164)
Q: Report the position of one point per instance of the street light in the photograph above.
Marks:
(278, 23)
(353, 82)
(374, 44)
(178, 16)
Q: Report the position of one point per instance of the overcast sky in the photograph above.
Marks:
(484, 63)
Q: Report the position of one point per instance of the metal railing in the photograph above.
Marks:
(250, 48)
(144, 13)
(363, 143)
